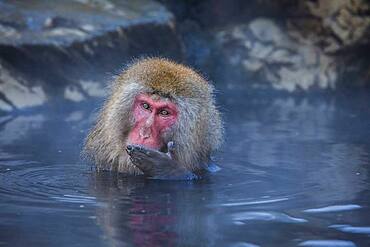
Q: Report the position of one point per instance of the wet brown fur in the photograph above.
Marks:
(197, 133)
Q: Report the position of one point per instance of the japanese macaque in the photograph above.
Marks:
(159, 121)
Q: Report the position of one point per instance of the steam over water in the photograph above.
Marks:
(295, 172)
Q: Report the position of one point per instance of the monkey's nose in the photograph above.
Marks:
(145, 133)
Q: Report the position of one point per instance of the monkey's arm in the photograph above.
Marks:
(158, 165)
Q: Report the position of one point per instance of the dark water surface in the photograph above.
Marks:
(295, 172)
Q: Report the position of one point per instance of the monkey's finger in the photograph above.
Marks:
(132, 149)
(135, 160)
(170, 148)
(140, 156)
(146, 167)
(149, 152)
(142, 161)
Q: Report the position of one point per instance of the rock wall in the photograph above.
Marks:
(65, 52)
(289, 46)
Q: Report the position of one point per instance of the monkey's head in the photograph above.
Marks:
(152, 102)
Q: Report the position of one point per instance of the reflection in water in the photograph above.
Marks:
(152, 213)
(295, 171)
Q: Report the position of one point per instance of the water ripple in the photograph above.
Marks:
(233, 204)
(243, 244)
(239, 218)
(334, 208)
(76, 199)
(352, 229)
(33, 182)
(327, 243)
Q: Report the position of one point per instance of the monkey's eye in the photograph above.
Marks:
(146, 106)
(164, 113)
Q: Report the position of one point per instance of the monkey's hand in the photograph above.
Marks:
(158, 165)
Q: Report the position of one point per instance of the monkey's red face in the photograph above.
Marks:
(152, 117)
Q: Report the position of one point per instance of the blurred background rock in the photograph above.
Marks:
(60, 53)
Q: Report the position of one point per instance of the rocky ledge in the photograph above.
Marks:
(309, 46)
(67, 50)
